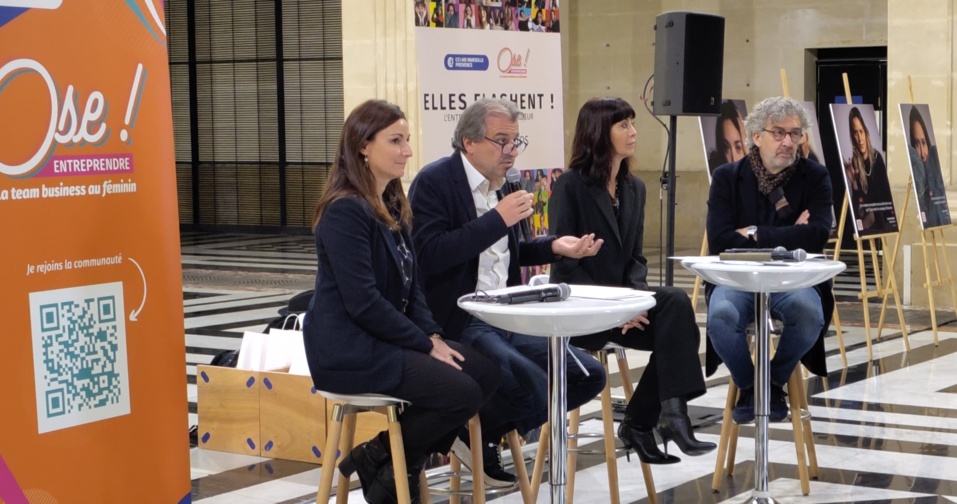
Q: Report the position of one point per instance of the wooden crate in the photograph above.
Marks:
(292, 418)
(228, 409)
(269, 414)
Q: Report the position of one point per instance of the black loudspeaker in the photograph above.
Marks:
(689, 58)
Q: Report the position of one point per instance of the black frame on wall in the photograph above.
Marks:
(257, 109)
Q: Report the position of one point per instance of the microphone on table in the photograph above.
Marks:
(764, 255)
(546, 294)
(513, 177)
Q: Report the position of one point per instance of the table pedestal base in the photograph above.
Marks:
(761, 500)
(558, 407)
(762, 397)
(588, 310)
(762, 279)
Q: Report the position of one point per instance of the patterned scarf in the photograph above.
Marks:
(771, 184)
(767, 181)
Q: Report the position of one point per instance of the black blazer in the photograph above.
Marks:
(576, 207)
(449, 237)
(355, 328)
(735, 202)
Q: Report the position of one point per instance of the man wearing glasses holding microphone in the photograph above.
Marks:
(467, 234)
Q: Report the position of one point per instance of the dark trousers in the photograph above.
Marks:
(674, 369)
(442, 399)
(522, 401)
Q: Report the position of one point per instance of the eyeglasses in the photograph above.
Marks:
(517, 146)
(779, 134)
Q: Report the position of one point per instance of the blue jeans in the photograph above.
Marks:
(521, 402)
(730, 312)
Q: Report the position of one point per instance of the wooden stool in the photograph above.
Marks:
(344, 413)
(611, 458)
(455, 472)
(801, 424)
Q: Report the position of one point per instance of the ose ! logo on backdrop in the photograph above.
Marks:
(512, 63)
(69, 123)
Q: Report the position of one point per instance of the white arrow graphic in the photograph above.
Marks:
(137, 311)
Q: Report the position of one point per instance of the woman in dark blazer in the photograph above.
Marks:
(368, 329)
(599, 195)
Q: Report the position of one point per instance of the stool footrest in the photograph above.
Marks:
(466, 491)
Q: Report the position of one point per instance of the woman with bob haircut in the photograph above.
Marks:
(598, 194)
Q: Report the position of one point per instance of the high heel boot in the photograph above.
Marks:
(674, 425)
(414, 471)
(366, 460)
(643, 442)
(383, 489)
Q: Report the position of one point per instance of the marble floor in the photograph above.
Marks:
(885, 428)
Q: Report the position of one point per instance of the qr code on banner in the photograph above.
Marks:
(79, 355)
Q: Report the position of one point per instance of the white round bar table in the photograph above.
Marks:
(589, 309)
(762, 278)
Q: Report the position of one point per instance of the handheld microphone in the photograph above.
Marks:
(513, 178)
(544, 294)
(764, 255)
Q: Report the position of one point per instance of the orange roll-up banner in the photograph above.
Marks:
(92, 391)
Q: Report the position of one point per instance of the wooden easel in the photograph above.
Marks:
(840, 230)
(882, 290)
(938, 280)
(836, 243)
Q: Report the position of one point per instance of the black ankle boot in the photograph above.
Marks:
(414, 471)
(643, 442)
(366, 459)
(383, 488)
(674, 425)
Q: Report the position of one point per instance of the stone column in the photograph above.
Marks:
(379, 61)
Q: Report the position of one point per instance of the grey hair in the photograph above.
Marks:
(472, 123)
(772, 110)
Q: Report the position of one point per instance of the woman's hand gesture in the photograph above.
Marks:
(443, 352)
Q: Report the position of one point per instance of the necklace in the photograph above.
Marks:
(865, 164)
(616, 199)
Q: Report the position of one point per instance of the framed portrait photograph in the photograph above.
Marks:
(864, 169)
(723, 135)
(929, 189)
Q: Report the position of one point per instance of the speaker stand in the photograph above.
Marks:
(672, 178)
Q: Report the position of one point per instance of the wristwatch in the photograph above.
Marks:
(751, 231)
